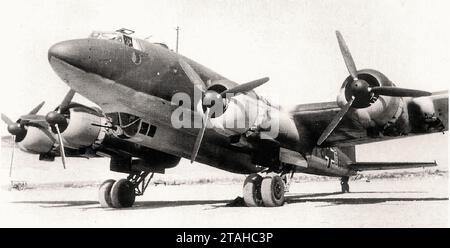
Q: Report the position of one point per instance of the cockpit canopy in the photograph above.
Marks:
(121, 36)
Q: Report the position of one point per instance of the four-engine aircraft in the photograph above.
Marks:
(157, 106)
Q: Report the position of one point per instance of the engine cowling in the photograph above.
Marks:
(36, 141)
(83, 127)
(370, 99)
(238, 113)
(372, 110)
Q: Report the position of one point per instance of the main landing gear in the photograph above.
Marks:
(344, 185)
(122, 193)
(265, 190)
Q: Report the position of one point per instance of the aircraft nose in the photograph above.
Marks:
(71, 51)
(101, 57)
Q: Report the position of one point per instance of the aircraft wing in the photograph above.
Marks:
(365, 166)
(317, 116)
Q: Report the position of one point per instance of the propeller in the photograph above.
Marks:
(359, 92)
(13, 141)
(18, 131)
(17, 128)
(210, 96)
(56, 120)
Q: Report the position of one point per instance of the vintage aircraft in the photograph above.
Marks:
(135, 83)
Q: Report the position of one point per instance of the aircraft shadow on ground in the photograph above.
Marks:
(303, 198)
(290, 199)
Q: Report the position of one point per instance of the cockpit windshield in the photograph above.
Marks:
(107, 36)
(118, 37)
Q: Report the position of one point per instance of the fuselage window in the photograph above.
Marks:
(118, 37)
(130, 124)
(128, 41)
(151, 131)
(144, 128)
(114, 118)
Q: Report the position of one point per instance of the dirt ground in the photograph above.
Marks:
(56, 197)
(409, 202)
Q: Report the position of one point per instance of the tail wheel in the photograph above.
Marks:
(272, 191)
(104, 193)
(345, 187)
(122, 194)
(252, 191)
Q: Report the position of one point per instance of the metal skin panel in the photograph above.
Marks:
(330, 161)
(36, 141)
(79, 132)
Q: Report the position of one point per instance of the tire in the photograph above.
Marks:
(345, 188)
(122, 194)
(104, 193)
(272, 191)
(252, 191)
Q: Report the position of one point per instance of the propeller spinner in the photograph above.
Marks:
(56, 120)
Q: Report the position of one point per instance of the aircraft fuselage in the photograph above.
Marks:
(142, 82)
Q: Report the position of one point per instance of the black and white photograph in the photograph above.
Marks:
(225, 114)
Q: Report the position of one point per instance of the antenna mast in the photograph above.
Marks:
(178, 35)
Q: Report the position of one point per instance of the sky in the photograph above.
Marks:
(292, 42)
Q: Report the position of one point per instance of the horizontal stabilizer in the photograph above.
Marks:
(365, 166)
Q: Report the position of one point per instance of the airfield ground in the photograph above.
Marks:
(197, 196)
(409, 202)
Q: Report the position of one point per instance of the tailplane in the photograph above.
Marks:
(366, 166)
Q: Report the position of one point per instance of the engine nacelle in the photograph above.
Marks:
(240, 112)
(128, 157)
(80, 131)
(36, 141)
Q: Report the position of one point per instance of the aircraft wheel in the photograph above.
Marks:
(345, 188)
(122, 194)
(104, 193)
(252, 190)
(272, 190)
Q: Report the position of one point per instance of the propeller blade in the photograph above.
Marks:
(61, 147)
(7, 120)
(66, 101)
(335, 122)
(37, 108)
(349, 62)
(33, 118)
(198, 140)
(192, 75)
(401, 92)
(242, 88)
(13, 139)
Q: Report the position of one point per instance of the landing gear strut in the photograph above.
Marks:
(267, 190)
(344, 185)
(122, 193)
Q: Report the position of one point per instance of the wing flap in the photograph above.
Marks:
(366, 166)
